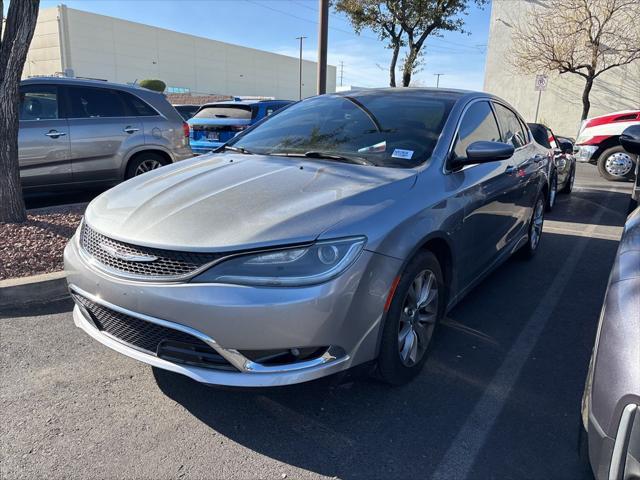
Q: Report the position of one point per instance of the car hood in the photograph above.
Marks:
(224, 202)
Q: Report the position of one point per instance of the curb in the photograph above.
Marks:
(18, 292)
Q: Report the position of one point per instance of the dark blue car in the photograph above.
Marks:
(216, 123)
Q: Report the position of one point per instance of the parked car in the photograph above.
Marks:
(611, 400)
(562, 172)
(88, 132)
(187, 111)
(630, 140)
(599, 143)
(217, 123)
(337, 233)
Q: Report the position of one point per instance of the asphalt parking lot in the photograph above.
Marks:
(499, 398)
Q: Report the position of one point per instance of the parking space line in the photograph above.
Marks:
(465, 447)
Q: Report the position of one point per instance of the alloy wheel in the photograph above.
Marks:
(418, 318)
(618, 164)
(553, 191)
(146, 166)
(536, 224)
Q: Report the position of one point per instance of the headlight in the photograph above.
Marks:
(290, 267)
(585, 152)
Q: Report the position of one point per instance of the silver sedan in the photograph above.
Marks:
(336, 233)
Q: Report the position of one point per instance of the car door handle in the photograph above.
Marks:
(131, 130)
(55, 134)
(538, 158)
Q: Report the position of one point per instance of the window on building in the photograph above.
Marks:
(478, 124)
(38, 102)
(87, 102)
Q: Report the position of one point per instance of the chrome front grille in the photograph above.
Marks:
(142, 262)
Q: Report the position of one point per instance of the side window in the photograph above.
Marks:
(478, 123)
(511, 128)
(38, 102)
(136, 106)
(87, 102)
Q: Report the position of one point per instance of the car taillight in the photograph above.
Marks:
(185, 129)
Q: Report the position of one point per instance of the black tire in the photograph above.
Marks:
(529, 250)
(602, 167)
(568, 186)
(553, 192)
(391, 368)
(152, 159)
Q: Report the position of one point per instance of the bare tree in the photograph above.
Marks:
(376, 16)
(406, 23)
(15, 36)
(580, 37)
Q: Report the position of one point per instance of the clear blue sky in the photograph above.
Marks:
(274, 25)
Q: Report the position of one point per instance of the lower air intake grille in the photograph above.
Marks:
(164, 342)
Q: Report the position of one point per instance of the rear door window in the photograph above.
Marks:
(478, 124)
(38, 102)
(512, 131)
(87, 102)
(241, 112)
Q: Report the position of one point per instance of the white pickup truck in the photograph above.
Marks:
(599, 143)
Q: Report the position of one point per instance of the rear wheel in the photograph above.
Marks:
(616, 164)
(553, 192)
(535, 229)
(416, 308)
(143, 163)
(568, 186)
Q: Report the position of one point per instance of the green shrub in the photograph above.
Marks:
(152, 84)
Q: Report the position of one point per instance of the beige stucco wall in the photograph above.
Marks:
(98, 46)
(44, 56)
(561, 104)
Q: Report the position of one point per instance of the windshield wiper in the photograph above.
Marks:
(244, 151)
(327, 156)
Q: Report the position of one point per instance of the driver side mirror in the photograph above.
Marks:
(630, 139)
(565, 146)
(483, 152)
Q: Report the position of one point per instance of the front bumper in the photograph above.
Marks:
(586, 153)
(344, 314)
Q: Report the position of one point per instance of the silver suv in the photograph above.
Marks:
(93, 132)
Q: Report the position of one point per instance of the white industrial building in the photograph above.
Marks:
(561, 102)
(74, 42)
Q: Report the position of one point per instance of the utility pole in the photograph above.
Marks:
(300, 69)
(323, 37)
(438, 75)
(341, 71)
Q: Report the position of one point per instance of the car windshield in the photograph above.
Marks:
(390, 129)
(225, 111)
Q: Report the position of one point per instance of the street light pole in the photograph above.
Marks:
(323, 36)
(438, 75)
(300, 69)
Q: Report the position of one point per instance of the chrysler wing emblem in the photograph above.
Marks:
(128, 257)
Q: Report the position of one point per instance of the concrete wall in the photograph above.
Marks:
(44, 56)
(98, 46)
(561, 104)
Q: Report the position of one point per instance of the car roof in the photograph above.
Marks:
(79, 81)
(243, 102)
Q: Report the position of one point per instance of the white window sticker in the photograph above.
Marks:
(406, 154)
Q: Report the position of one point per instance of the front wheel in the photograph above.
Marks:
(553, 192)
(416, 309)
(616, 164)
(535, 229)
